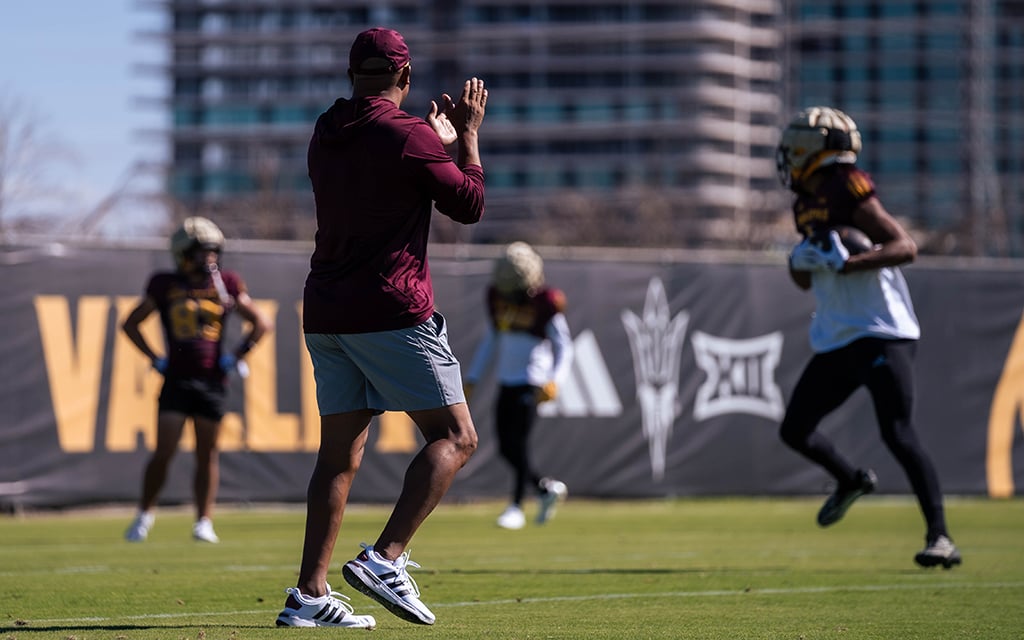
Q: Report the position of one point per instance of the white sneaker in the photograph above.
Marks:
(202, 531)
(554, 494)
(330, 610)
(388, 583)
(138, 530)
(512, 518)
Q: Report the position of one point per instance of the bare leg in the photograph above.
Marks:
(207, 476)
(169, 426)
(342, 442)
(451, 440)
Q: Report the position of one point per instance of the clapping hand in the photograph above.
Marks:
(440, 122)
(468, 114)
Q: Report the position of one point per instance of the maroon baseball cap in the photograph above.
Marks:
(378, 51)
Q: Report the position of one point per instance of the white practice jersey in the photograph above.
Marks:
(523, 358)
(861, 304)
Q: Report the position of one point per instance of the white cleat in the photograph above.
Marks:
(203, 531)
(138, 530)
(554, 493)
(512, 518)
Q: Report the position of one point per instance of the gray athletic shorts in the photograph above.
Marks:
(402, 370)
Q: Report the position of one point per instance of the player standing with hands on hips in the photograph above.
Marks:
(528, 337)
(194, 303)
(864, 331)
(376, 341)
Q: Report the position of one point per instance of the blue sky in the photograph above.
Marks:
(73, 64)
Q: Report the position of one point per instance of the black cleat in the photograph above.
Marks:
(835, 507)
(942, 551)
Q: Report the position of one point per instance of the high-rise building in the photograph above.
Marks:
(628, 117)
(937, 88)
(621, 122)
(648, 121)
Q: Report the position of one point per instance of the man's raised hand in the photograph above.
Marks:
(439, 121)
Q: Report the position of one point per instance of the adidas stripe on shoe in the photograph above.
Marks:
(329, 610)
(389, 583)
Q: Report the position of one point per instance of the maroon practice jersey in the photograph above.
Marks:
(528, 314)
(194, 318)
(839, 191)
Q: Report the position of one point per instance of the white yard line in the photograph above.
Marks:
(714, 593)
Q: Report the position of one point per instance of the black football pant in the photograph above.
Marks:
(885, 367)
(516, 414)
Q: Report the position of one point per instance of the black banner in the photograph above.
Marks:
(680, 379)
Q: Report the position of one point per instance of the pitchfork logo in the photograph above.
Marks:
(656, 341)
(739, 374)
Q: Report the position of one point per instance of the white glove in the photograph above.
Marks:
(808, 256)
(837, 255)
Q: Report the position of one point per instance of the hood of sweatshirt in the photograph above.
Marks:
(345, 118)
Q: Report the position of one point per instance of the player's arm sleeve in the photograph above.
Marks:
(457, 192)
(482, 356)
(460, 195)
(557, 332)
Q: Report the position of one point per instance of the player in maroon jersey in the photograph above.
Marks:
(528, 340)
(194, 303)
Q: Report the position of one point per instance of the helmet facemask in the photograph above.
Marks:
(816, 137)
(198, 256)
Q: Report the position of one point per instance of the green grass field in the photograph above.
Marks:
(694, 568)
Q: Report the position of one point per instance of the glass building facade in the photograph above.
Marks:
(652, 122)
(937, 89)
(611, 102)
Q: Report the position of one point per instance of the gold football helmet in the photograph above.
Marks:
(816, 137)
(520, 269)
(195, 232)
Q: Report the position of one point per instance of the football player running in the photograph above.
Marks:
(194, 303)
(864, 331)
(528, 338)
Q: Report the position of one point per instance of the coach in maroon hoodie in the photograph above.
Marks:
(376, 341)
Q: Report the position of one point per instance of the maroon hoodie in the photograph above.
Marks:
(376, 171)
